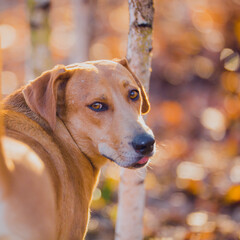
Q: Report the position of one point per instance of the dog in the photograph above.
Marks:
(59, 130)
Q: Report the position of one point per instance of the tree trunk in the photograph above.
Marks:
(82, 11)
(129, 224)
(39, 57)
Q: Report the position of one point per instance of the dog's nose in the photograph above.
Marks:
(143, 143)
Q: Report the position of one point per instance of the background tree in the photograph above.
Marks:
(82, 11)
(39, 57)
(131, 190)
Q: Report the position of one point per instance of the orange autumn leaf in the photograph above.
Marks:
(233, 194)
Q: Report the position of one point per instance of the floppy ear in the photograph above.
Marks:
(41, 94)
(145, 104)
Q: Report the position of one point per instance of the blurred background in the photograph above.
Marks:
(193, 182)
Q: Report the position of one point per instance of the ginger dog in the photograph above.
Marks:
(59, 130)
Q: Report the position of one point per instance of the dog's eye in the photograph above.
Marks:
(134, 95)
(98, 107)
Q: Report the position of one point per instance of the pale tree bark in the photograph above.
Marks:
(38, 55)
(82, 16)
(129, 224)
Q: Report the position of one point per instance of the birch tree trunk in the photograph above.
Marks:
(39, 57)
(129, 224)
(82, 14)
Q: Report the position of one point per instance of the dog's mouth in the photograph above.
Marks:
(141, 163)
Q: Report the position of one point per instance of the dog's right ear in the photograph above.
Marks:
(41, 93)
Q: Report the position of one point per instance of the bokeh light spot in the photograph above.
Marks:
(190, 170)
(203, 67)
(97, 194)
(213, 119)
(7, 35)
(197, 219)
(93, 224)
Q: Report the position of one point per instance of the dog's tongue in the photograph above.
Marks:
(143, 160)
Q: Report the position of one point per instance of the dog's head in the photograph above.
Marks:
(101, 104)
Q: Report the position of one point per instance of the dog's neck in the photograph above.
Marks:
(63, 134)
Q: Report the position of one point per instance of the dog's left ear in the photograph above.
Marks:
(145, 104)
(41, 94)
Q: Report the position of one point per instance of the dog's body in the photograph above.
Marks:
(69, 171)
(60, 129)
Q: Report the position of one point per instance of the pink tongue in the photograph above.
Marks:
(143, 160)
